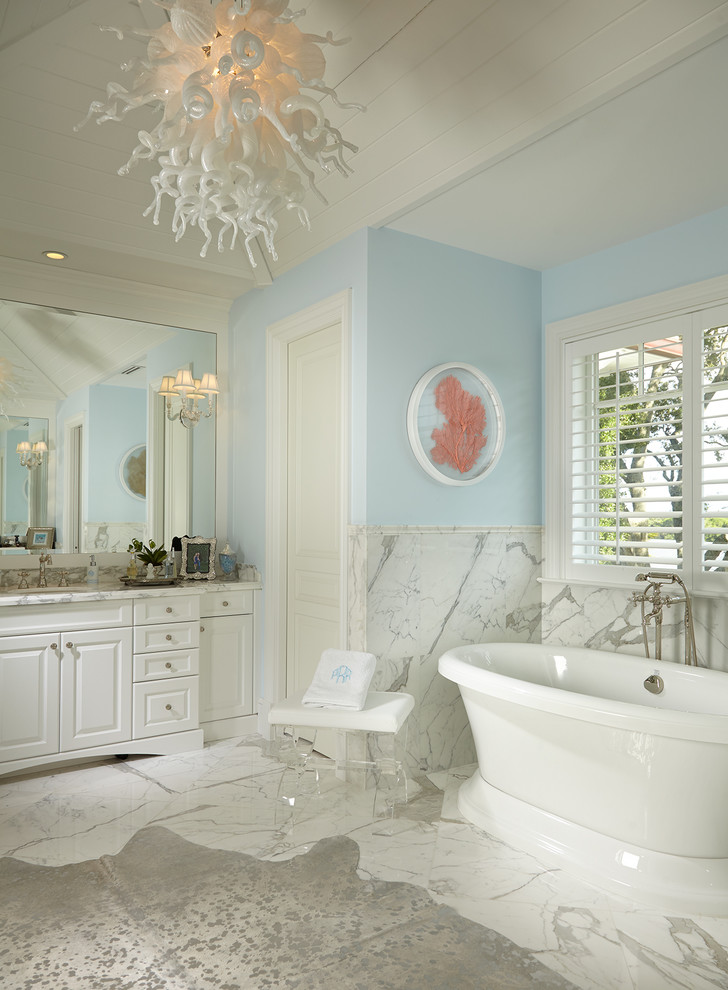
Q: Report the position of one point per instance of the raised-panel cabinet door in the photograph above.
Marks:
(226, 667)
(96, 679)
(29, 677)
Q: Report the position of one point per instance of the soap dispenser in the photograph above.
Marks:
(92, 571)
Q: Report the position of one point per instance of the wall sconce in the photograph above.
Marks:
(190, 390)
(31, 457)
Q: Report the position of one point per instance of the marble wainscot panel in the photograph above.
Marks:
(429, 589)
(606, 619)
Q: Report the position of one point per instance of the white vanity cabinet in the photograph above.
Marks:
(66, 686)
(98, 677)
(226, 661)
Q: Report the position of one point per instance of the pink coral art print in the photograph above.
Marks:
(460, 441)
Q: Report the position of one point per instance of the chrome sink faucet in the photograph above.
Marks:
(45, 558)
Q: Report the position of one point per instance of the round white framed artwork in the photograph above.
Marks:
(456, 424)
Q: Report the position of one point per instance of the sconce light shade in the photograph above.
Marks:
(209, 385)
(31, 457)
(190, 390)
(184, 382)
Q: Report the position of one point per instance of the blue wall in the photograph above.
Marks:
(334, 270)
(680, 255)
(430, 304)
(415, 304)
(117, 421)
(16, 497)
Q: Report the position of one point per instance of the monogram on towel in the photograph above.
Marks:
(341, 680)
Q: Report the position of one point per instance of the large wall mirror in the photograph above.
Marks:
(88, 446)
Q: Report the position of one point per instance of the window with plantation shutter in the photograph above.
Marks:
(637, 445)
(627, 455)
(714, 449)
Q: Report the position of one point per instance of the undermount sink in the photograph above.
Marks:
(50, 590)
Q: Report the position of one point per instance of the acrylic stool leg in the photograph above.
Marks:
(294, 751)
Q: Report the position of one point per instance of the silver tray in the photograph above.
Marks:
(157, 582)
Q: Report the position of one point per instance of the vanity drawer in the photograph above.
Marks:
(170, 608)
(172, 636)
(170, 705)
(225, 602)
(171, 663)
(59, 617)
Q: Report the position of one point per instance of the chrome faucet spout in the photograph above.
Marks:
(45, 558)
(653, 595)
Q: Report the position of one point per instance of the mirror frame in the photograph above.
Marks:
(40, 284)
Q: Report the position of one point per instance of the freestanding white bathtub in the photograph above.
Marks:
(579, 763)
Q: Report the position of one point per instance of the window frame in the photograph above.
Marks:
(695, 306)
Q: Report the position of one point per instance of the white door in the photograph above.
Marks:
(314, 503)
(96, 678)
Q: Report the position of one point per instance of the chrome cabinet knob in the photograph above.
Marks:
(224, 604)
(169, 608)
(168, 665)
(168, 708)
(69, 646)
(202, 628)
(54, 646)
(169, 636)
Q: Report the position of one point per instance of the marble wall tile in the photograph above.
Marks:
(607, 619)
(357, 588)
(430, 589)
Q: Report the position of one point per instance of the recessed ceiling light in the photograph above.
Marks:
(55, 255)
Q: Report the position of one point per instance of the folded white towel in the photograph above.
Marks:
(341, 680)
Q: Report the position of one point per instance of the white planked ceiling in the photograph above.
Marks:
(536, 131)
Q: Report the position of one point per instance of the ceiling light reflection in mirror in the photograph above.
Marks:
(88, 386)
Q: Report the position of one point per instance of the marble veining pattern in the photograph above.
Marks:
(429, 589)
(224, 797)
(606, 619)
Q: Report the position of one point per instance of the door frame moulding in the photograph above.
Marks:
(74, 497)
(334, 310)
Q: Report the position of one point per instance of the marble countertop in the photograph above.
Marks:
(105, 590)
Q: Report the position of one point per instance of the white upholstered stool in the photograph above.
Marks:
(383, 715)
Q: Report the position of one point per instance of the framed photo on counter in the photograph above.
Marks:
(198, 558)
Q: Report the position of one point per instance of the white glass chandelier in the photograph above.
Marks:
(237, 133)
(190, 390)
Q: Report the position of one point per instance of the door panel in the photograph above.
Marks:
(96, 679)
(314, 503)
(29, 674)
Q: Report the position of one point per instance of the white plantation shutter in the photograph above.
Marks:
(637, 440)
(714, 450)
(627, 455)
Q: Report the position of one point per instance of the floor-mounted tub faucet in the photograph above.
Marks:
(654, 596)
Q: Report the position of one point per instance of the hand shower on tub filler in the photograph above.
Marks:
(654, 596)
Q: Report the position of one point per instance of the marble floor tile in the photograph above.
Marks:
(228, 796)
(674, 953)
